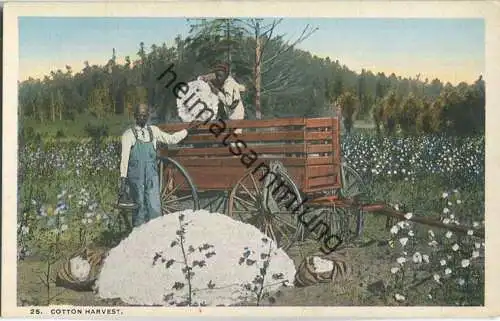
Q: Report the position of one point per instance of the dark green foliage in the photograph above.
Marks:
(294, 83)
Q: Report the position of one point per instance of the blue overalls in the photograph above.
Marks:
(143, 180)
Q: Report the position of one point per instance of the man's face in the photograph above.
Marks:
(141, 117)
(220, 76)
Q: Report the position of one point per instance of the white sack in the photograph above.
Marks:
(80, 268)
(201, 91)
(128, 272)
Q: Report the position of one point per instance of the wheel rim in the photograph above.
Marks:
(270, 210)
(177, 190)
(346, 222)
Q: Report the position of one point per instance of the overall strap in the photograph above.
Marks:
(135, 133)
(151, 138)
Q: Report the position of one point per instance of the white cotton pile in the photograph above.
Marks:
(80, 268)
(198, 90)
(322, 265)
(129, 273)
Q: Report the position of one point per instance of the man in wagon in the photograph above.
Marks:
(138, 167)
(228, 90)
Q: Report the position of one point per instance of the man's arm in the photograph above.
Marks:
(166, 138)
(207, 77)
(127, 142)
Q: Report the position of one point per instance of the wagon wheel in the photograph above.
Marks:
(216, 203)
(270, 210)
(177, 190)
(347, 222)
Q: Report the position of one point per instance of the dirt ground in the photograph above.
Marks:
(370, 260)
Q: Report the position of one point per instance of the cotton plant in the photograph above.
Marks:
(448, 260)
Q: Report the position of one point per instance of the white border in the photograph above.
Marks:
(490, 11)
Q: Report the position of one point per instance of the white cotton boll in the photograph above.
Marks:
(198, 90)
(425, 257)
(403, 241)
(447, 271)
(455, 247)
(128, 272)
(465, 263)
(417, 257)
(394, 229)
(448, 234)
(399, 297)
(408, 215)
(475, 254)
(321, 265)
(442, 262)
(80, 268)
(394, 270)
(401, 260)
(446, 221)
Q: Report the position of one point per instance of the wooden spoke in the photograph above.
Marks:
(250, 201)
(177, 191)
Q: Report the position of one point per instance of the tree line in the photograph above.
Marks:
(281, 81)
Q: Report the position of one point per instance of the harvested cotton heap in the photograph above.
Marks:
(198, 93)
(226, 256)
(80, 268)
(321, 265)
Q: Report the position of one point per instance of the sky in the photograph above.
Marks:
(449, 49)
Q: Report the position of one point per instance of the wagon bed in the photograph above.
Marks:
(307, 147)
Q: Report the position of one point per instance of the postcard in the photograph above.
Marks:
(250, 159)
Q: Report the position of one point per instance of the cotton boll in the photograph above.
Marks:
(128, 272)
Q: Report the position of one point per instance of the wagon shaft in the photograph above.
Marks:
(384, 209)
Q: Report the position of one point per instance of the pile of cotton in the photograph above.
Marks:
(190, 104)
(79, 268)
(225, 257)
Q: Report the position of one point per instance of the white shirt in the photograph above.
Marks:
(128, 140)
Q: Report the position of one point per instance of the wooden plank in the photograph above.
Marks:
(259, 149)
(321, 181)
(206, 178)
(320, 122)
(322, 188)
(248, 137)
(322, 170)
(319, 160)
(233, 161)
(320, 148)
(328, 135)
(263, 123)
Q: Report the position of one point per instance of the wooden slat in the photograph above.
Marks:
(322, 170)
(321, 188)
(263, 123)
(234, 161)
(320, 148)
(227, 178)
(318, 181)
(320, 122)
(249, 137)
(319, 160)
(328, 135)
(259, 149)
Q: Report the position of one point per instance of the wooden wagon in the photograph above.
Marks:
(223, 172)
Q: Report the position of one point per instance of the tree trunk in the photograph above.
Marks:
(52, 106)
(257, 74)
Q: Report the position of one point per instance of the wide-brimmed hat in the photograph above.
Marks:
(221, 67)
